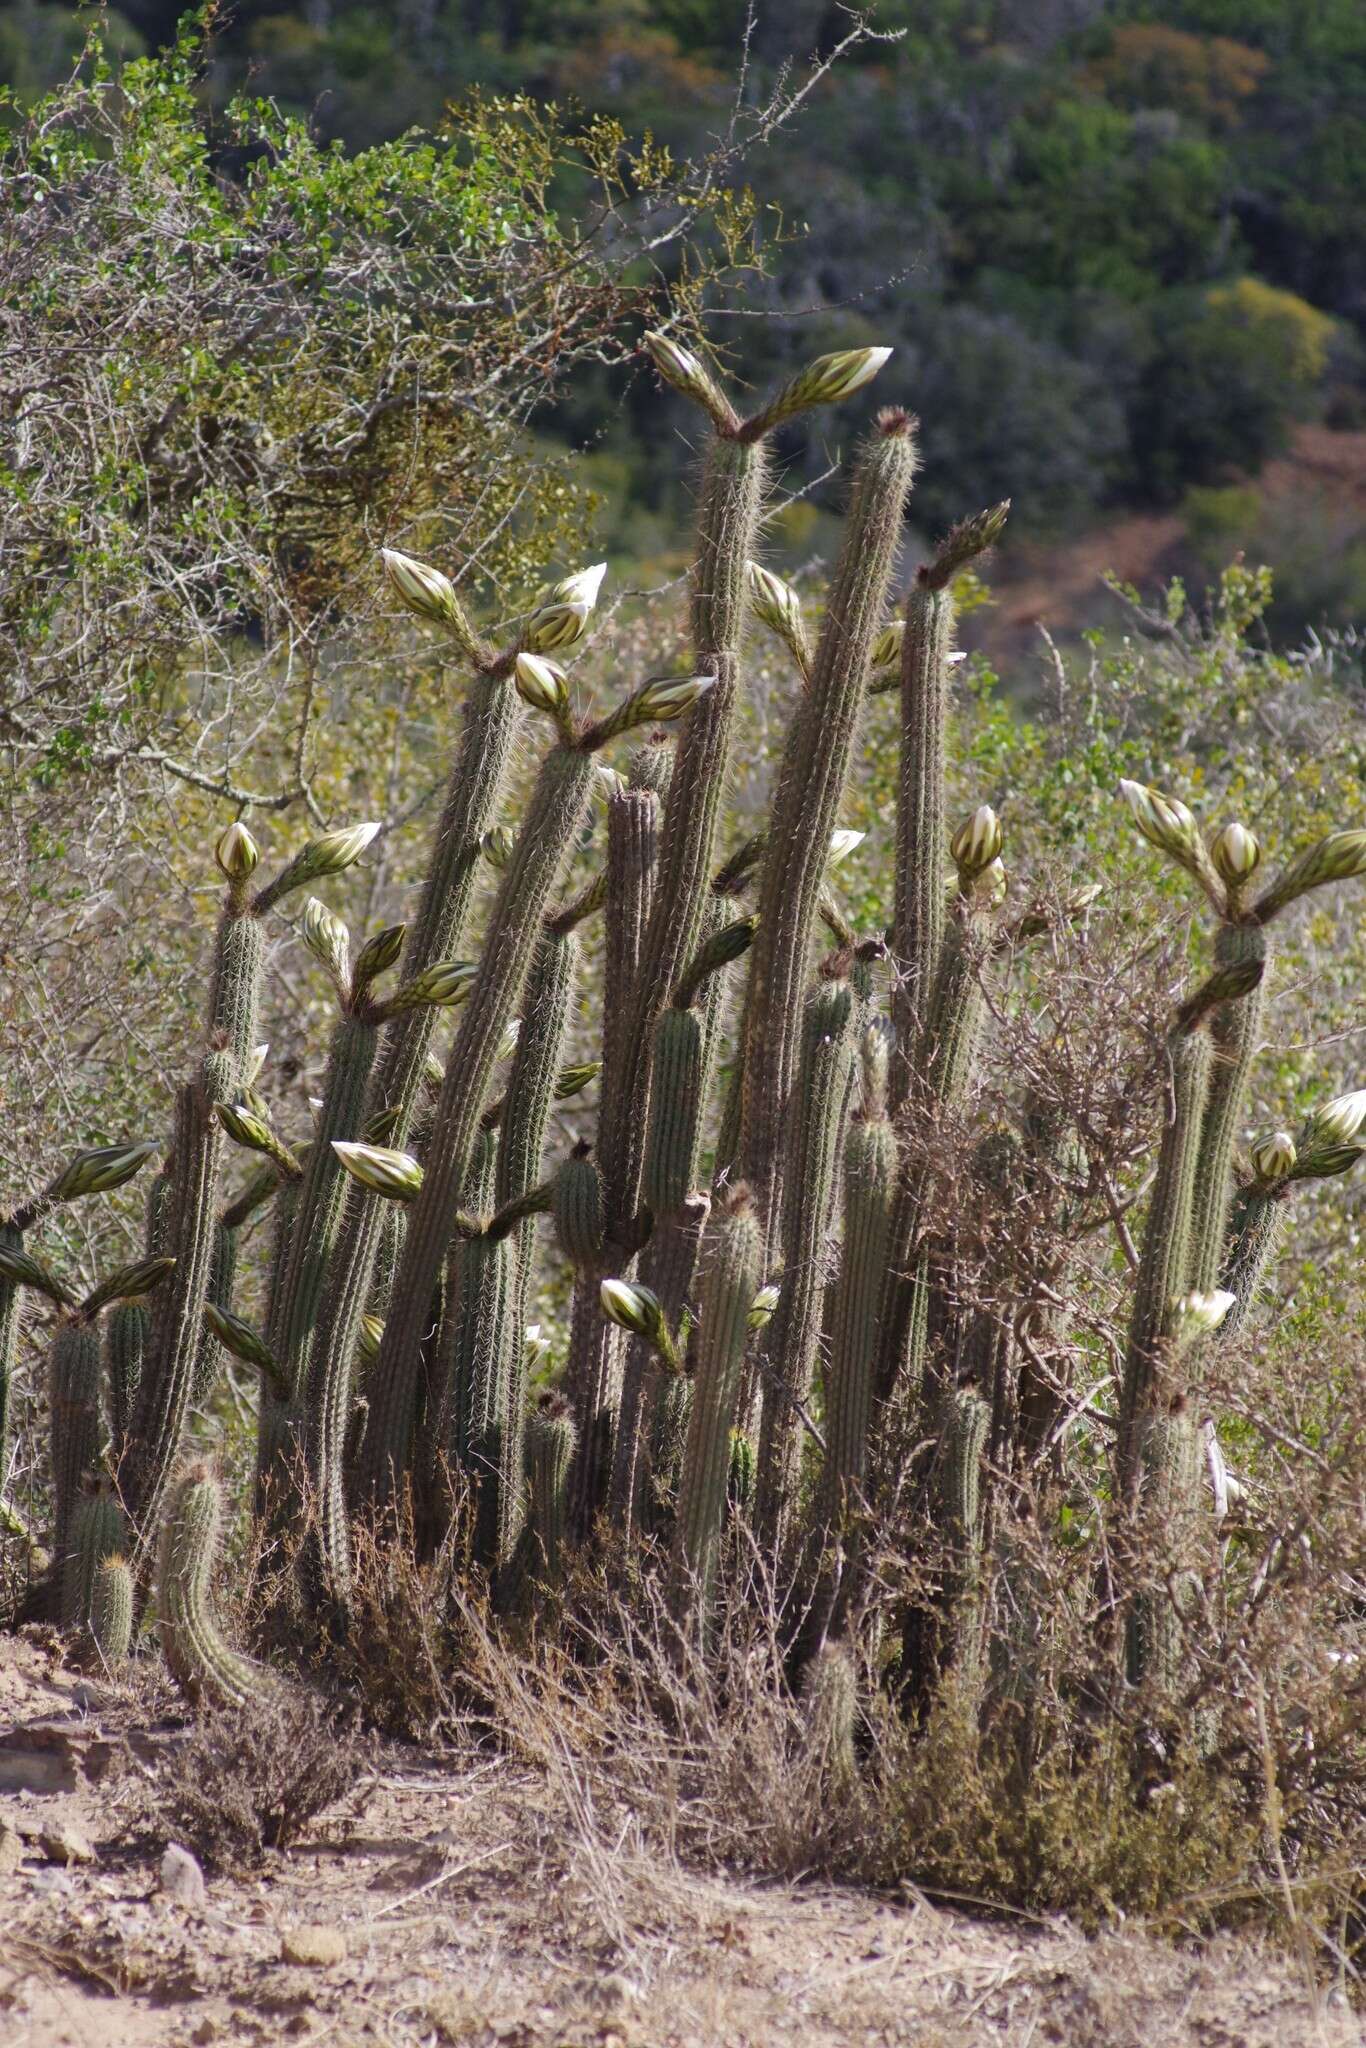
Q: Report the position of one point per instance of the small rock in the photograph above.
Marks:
(62, 1843)
(11, 1849)
(208, 2030)
(182, 1879)
(317, 1948)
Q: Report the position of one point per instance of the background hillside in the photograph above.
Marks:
(1121, 249)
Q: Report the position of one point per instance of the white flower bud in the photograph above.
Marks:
(422, 589)
(887, 646)
(370, 1337)
(1163, 820)
(670, 696)
(842, 844)
(976, 843)
(631, 1306)
(1274, 1156)
(96, 1171)
(237, 853)
(774, 601)
(395, 1175)
(326, 938)
(542, 684)
(558, 625)
(496, 846)
(1196, 1314)
(580, 588)
(442, 985)
(1337, 1122)
(1236, 852)
(762, 1306)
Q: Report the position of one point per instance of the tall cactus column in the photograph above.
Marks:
(805, 810)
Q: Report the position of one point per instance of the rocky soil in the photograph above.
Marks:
(465, 1905)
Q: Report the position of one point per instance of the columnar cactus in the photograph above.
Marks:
(199, 1655)
(728, 1291)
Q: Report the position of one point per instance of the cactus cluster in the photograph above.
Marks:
(761, 1281)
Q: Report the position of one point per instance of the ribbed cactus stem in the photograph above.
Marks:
(549, 1455)
(111, 1614)
(1166, 1247)
(166, 1385)
(810, 789)
(728, 1289)
(77, 1429)
(492, 716)
(199, 1655)
(632, 848)
(10, 1299)
(491, 1399)
(1172, 1481)
(830, 1707)
(727, 519)
(790, 1341)
(98, 1531)
(319, 1379)
(951, 1029)
(222, 1282)
(1254, 1231)
(552, 819)
(579, 1208)
(667, 1268)
(869, 1181)
(1235, 1033)
(922, 827)
(531, 1089)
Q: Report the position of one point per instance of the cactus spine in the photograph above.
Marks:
(531, 1090)
(728, 1290)
(869, 1177)
(97, 1531)
(200, 1657)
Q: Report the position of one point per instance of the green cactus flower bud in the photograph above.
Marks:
(395, 1175)
(681, 368)
(237, 853)
(669, 697)
(443, 985)
(370, 1338)
(422, 589)
(976, 843)
(1336, 1122)
(823, 382)
(887, 646)
(1236, 852)
(330, 855)
(327, 938)
(763, 1305)
(378, 955)
(496, 846)
(21, 1269)
(573, 1080)
(239, 1338)
(1326, 1161)
(1167, 824)
(842, 844)
(1273, 1157)
(542, 684)
(128, 1283)
(631, 1307)
(580, 588)
(1338, 858)
(557, 626)
(777, 605)
(248, 1129)
(96, 1171)
(1198, 1314)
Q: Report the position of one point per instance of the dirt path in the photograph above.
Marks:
(465, 1910)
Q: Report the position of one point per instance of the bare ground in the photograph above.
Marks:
(470, 1906)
